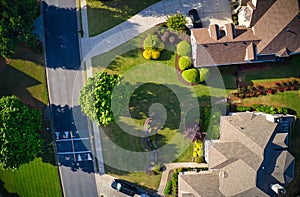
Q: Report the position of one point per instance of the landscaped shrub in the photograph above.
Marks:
(147, 54)
(155, 54)
(161, 46)
(172, 40)
(243, 108)
(151, 42)
(174, 182)
(191, 75)
(184, 48)
(168, 188)
(165, 36)
(184, 62)
(204, 74)
(198, 151)
(269, 109)
(176, 22)
(156, 168)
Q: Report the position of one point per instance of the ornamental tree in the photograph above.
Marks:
(176, 22)
(16, 24)
(19, 140)
(95, 97)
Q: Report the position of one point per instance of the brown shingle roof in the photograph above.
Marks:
(261, 7)
(287, 41)
(278, 16)
(276, 31)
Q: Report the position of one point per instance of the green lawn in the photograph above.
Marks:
(24, 76)
(34, 179)
(103, 15)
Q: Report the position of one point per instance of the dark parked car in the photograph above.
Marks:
(193, 14)
(124, 187)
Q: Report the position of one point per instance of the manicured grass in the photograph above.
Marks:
(34, 179)
(187, 155)
(24, 76)
(274, 71)
(103, 15)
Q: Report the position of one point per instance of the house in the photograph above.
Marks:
(249, 159)
(269, 31)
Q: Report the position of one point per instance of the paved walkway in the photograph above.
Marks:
(172, 166)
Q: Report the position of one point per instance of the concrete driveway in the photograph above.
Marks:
(210, 11)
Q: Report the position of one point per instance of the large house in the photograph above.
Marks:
(269, 31)
(249, 159)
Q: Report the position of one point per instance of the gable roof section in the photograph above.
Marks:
(201, 184)
(287, 40)
(261, 8)
(277, 17)
(232, 178)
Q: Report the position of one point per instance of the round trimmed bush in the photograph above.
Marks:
(184, 48)
(155, 54)
(147, 54)
(204, 74)
(191, 75)
(184, 62)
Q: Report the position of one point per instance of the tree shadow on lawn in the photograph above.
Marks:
(15, 82)
(273, 70)
(25, 53)
(148, 94)
(4, 192)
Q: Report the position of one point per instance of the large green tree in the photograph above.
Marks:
(19, 140)
(95, 97)
(176, 22)
(16, 24)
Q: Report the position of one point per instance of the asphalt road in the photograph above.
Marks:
(64, 83)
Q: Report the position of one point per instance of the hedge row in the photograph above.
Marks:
(263, 108)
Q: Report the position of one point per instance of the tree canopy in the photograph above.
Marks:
(176, 22)
(19, 140)
(95, 97)
(16, 24)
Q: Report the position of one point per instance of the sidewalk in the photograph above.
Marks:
(217, 11)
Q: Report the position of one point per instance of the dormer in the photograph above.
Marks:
(230, 30)
(214, 31)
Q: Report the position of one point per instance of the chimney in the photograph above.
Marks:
(214, 31)
(230, 30)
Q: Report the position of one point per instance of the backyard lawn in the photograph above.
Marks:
(24, 76)
(103, 15)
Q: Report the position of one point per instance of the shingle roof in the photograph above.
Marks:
(204, 183)
(276, 30)
(277, 17)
